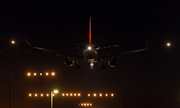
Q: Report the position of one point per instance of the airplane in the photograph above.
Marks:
(90, 54)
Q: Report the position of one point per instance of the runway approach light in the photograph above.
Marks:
(35, 74)
(41, 95)
(168, 44)
(12, 42)
(47, 73)
(94, 94)
(30, 94)
(100, 94)
(52, 73)
(28, 74)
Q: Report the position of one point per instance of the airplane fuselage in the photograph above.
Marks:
(90, 54)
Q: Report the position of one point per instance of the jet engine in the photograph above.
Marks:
(68, 61)
(113, 62)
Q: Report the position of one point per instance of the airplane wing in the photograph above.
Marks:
(74, 46)
(108, 58)
(108, 46)
(57, 53)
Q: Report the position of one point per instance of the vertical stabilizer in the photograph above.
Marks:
(89, 30)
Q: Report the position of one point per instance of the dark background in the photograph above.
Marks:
(142, 81)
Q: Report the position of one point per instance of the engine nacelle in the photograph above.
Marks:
(68, 61)
(113, 62)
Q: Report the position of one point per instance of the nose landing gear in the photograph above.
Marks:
(91, 65)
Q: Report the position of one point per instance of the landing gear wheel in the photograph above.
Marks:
(91, 69)
(78, 66)
(103, 66)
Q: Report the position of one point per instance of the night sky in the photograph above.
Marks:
(145, 80)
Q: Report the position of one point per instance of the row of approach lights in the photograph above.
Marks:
(74, 94)
(35, 74)
(85, 104)
(63, 94)
(89, 95)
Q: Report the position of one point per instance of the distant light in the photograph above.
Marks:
(100, 94)
(67, 94)
(89, 95)
(112, 94)
(63, 94)
(30, 94)
(168, 44)
(13, 42)
(47, 73)
(106, 95)
(70, 94)
(94, 94)
(40, 74)
(52, 73)
(84, 104)
(87, 104)
(81, 104)
(89, 48)
(79, 94)
(74, 94)
(35, 95)
(35, 74)
(28, 74)
(47, 95)
(90, 104)
(53, 94)
(41, 95)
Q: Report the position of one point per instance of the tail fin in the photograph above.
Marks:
(89, 30)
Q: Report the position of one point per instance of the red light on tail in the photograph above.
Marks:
(89, 30)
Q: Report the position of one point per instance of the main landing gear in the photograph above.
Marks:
(78, 65)
(103, 66)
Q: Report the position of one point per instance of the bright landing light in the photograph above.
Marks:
(168, 44)
(89, 48)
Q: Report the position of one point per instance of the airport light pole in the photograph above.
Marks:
(10, 77)
(52, 95)
(10, 80)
